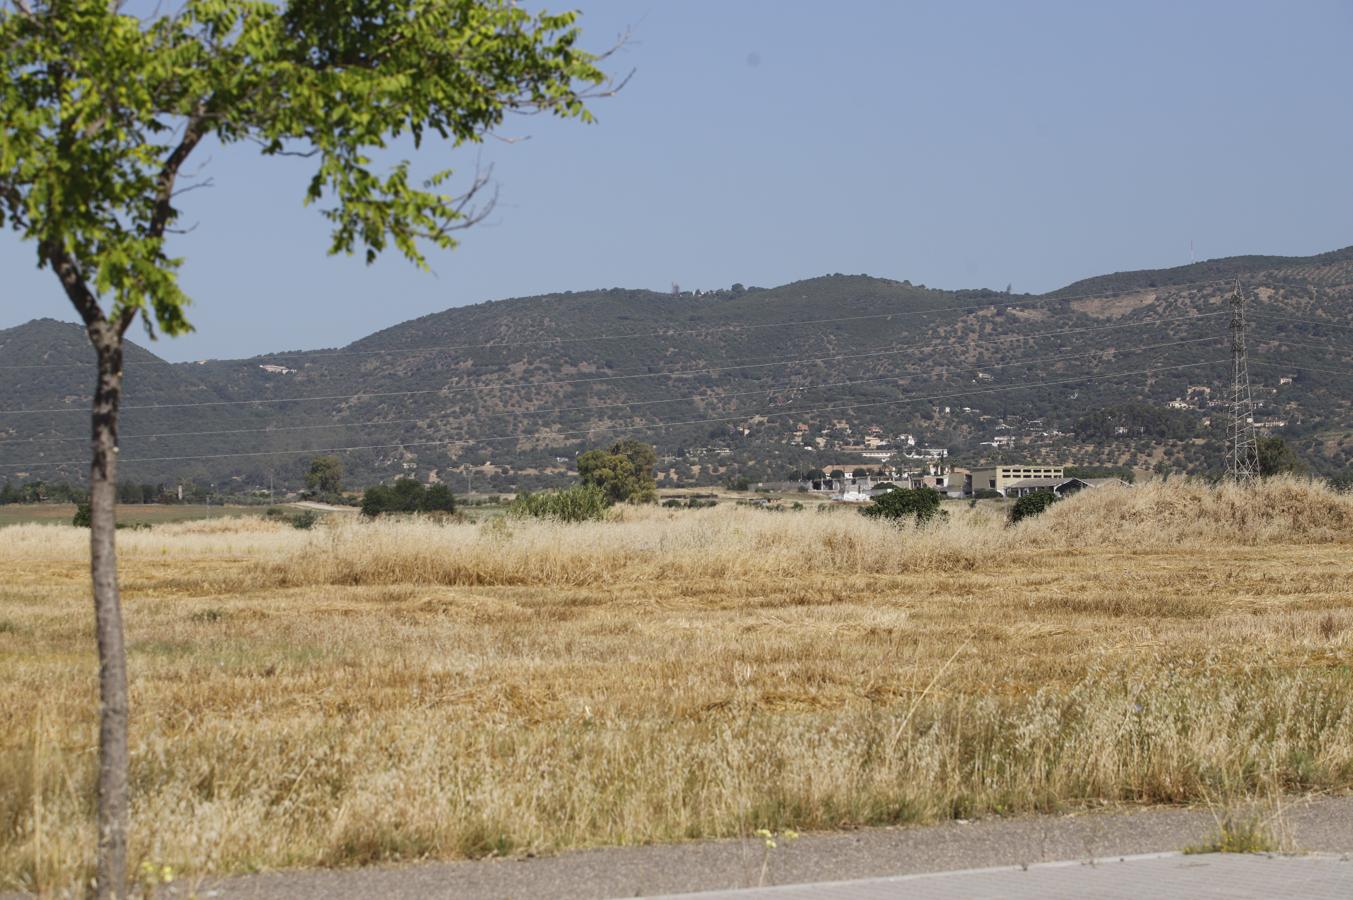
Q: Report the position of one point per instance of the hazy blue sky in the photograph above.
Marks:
(953, 144)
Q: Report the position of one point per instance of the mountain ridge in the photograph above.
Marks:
(429, 393)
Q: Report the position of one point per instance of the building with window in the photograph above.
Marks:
(999, 478)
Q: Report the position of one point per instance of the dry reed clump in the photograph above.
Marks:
(721, 543)
(1164, 513)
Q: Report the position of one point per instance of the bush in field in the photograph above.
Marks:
(1030, 505)
(438, 498)
(921, 504)
(407, 496)
(624, 472)
(82, 516)
(689, 503)
(987, 494)
(304, 520)
(581, 503)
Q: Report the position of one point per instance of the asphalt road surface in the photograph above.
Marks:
(1089, 845)
(1172, 876)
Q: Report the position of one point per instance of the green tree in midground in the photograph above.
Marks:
(102, 112)
(407, 496)
(1031, 505)
(921, 504)
(1277, 458)
(325, 475)
(624, 472)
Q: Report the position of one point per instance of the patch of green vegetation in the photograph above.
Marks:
(580, 503)
(1234, 834)
(1031, 505)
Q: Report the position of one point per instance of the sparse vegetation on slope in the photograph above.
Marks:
(892, 340)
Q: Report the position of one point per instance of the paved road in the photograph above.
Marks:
(1316, 825)
(1170, 876)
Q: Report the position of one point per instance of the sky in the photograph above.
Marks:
(954, 144)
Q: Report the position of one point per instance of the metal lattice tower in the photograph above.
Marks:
(1241, 445)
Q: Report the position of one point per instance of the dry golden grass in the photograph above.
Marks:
(399, 690)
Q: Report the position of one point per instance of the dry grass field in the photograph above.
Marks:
(400, 690)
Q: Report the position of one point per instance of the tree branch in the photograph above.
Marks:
(73, 281)
(164, 184)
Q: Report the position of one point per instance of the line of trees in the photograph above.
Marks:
(407, 496)
(42, 492)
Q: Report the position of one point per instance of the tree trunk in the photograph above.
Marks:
(111, 874)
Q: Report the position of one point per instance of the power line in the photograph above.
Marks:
(1282, 340)
(646, 426)
(1301, 366)
(1290, 319)
(936, 373)
(608, 378)
(797, 323)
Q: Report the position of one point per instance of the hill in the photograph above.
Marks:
(743, 380)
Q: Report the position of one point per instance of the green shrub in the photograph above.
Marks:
(82, 516)
(690, 503)
(921, 504)
(1031, 505)
(305, 519)
(987, 494)
(407, 496)
(580, 503)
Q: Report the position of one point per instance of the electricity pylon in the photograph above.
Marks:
(1242, 447)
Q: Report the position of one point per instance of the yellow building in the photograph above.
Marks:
(999, 478)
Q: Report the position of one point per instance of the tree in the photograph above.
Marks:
(325, 475)
(921, 504)
(407, 496)
(438, 498)
(100, 111)
(376, 500)
(624, 472)
(1277, 458)
(1031, 505)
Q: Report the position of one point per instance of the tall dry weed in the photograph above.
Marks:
(1285, 510)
